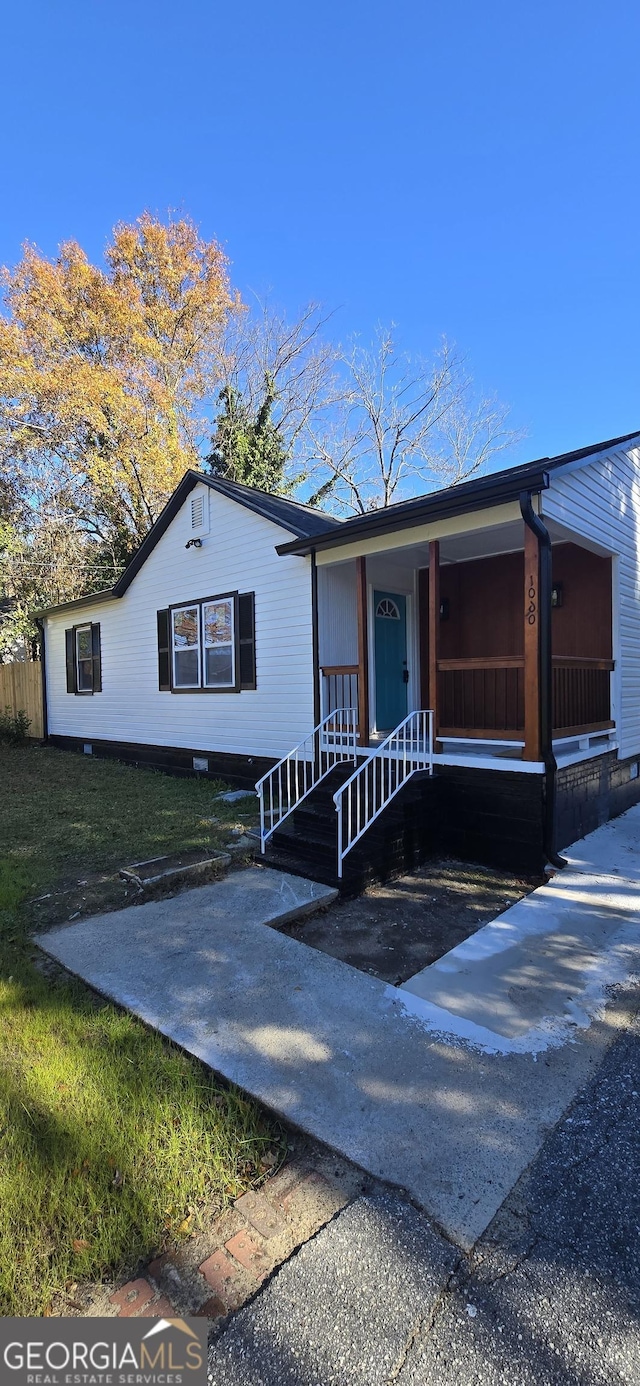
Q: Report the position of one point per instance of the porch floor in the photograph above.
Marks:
(421, 1093)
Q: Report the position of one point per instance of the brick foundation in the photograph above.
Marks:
(240, 771)
(592, 792)
(492, 816)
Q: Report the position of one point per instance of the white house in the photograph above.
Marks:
(204, 647)
(508, 606)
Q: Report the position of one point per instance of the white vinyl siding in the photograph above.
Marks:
(601, 502)
(238, 555)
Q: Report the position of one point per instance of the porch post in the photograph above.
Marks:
(363, 651)
(317, 690)
(434, 632)
(532, 741)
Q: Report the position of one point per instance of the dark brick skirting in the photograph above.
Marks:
(592, 792)
(497, 816)
(242, 771)
(492, 816)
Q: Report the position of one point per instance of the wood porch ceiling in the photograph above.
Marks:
(482, 543)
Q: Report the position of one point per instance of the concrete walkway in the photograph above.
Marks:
(447, 1093)
(528, 980)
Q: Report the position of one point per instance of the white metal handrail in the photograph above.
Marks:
(290, 781)
(364, 796)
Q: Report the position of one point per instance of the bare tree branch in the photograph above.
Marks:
(262, 347)
(397, 425)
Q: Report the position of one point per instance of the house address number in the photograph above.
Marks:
(533, 605)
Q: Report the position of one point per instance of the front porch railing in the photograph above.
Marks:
(480, 696)
(581, 694)
(339, 687)
(485, 697)
(365, 795)
(290, 781)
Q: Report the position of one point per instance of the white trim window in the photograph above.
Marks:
(84, 659)
(185, 644)
(219, 643)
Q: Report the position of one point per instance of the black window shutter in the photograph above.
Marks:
(71, 661)
(164, 672)
(97, 657)
(247, 639)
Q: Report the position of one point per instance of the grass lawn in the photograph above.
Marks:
(112, 1140)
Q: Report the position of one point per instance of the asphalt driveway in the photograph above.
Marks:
(550, 1296)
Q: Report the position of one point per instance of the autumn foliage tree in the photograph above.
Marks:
(104, 374)
(115, 379)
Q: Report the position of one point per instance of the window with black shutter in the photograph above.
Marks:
(247, 639)
(96, 656)
(83, 658)
(208, 646)
(71, 661)
(164, 662)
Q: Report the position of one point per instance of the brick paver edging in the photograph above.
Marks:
(244, 1245)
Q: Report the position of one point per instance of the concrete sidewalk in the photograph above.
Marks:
(537, 974)
(447, 1095)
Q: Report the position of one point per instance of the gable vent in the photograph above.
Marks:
(197, 512)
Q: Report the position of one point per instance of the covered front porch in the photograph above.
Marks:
(452, 623)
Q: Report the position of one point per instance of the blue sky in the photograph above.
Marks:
(459, 168)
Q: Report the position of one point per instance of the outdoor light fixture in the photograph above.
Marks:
(193, 544)
(557, 594)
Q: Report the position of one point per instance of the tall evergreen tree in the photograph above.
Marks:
(245, 448)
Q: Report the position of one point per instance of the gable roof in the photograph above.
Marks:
(458, 499)
(313, 529)
(301, 520)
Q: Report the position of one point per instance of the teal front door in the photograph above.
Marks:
(390, 642)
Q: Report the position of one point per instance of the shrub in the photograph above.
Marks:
(14, 727)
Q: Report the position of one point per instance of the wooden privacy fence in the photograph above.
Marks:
(21, 690)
